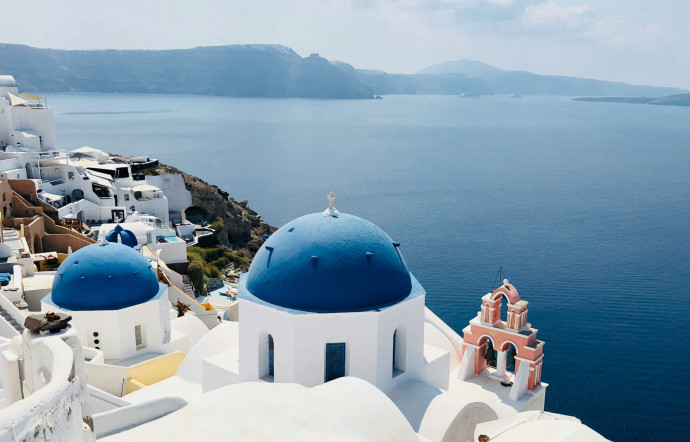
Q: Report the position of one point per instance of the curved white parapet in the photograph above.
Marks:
(453, 337)
(44, 389)
(438, 415)
(537, 426)
(345, 409)
(130, 416)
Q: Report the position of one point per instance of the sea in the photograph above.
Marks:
(585, 207)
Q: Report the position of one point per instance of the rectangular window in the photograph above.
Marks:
(126, 196)
(139, 336)
(335, 361)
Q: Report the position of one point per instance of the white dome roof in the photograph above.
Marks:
(349, 408)
(7, 81)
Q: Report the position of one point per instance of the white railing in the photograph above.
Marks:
(41, 395)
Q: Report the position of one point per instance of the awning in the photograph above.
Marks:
(102, 181)
(79, 155)
(87, 149)
(51, 196)
(101, 175)
(85, 163)
(144, 188)
(32, 97)
(17, 101)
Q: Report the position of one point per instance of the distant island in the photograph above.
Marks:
(669, 100)
(276, 71)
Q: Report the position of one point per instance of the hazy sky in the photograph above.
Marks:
(636, 41)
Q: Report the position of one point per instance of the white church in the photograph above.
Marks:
(334, 342)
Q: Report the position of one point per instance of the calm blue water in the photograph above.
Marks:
(585, 205)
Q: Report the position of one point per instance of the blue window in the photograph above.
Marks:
(335, 361)
(270, 355)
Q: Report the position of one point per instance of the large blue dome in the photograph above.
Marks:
(106, 276)
(329, 263)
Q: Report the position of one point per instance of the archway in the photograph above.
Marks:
(38, 245)
(77, 194)
(510, 358)
(490, 354)
(504, 309)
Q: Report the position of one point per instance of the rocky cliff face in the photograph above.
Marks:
(239, 227)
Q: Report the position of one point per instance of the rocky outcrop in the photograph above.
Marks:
(237, 226)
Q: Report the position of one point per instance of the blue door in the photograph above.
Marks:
(335, 361)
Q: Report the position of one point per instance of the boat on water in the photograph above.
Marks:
(470, 95)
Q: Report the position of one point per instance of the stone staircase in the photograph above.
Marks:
(188, 288)
(11, 320)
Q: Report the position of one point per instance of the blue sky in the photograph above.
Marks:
(636, 41)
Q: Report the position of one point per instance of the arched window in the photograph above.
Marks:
(490, 355)
(335, 361)
(270, 355)
(510, 358)
(395, 344)
(266, 356)
(398, 351)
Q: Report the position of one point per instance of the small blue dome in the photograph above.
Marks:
(327, 263)
(126, 236)
(106, 276)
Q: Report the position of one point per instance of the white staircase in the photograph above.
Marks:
(10, 320)
(188, 287)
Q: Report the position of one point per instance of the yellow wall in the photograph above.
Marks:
(154, 370)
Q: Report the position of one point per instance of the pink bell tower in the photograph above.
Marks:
(488, 335)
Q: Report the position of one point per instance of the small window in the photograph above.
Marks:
(139, 336)
(398, 353)
(126, 196)
(70, 175)
(270, 355)
(395, 344)
(335, 361)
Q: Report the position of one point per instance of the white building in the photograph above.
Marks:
(316, 305)
(328, 296)
(116, 302)
(24, 123)
(173, 250)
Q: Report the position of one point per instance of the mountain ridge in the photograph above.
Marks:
(276, 71)
(463, 66)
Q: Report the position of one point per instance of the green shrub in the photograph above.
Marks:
(211, 271)
(195, 271)
(221, 262)
(218, 224)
